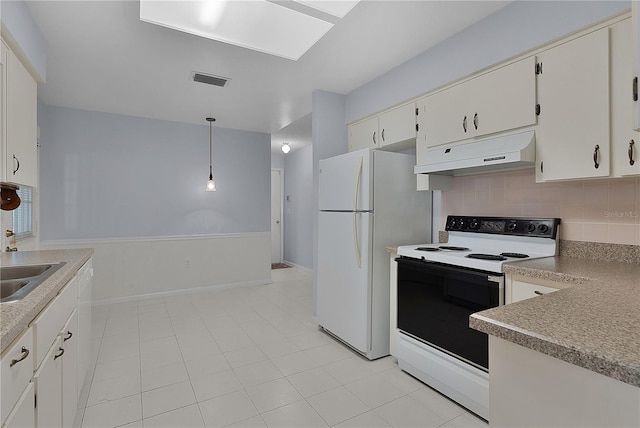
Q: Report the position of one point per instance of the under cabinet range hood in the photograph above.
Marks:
(512, 151)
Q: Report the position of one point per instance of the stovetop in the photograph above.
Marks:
(486, 243)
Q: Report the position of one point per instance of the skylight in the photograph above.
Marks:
(254, 24)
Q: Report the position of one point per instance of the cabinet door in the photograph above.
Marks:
(16, 370)
(504, 99)
(23, 414)
(21, 153)
(49, 387)
(524, 290)
(625, 143)
(70, 370)
(573, 137)
(398, 125)
(364, 135)
(446, 117)
(635, 58)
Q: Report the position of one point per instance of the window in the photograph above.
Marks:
(23, 215)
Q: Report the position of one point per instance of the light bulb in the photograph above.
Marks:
(286, 147)
(211, 185)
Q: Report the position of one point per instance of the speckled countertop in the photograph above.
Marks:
(16, 316)
(593, 323)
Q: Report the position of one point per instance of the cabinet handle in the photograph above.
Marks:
(55, 357)
(25, 354)
(475, 120)
(373, 137)
(464, 124)
(541, 167)
(596, 152)
(382, 134)
(17, 163)
(71, 334)
(631, 145)
(539, 293)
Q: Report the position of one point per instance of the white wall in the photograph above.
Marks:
(298, 207)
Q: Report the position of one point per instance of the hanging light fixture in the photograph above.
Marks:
(211, 185)
(286, 147)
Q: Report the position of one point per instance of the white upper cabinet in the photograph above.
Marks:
(497, 101)
(364, 134)
(19, 122)
(573, 135)
(395, 128)
(625, 141)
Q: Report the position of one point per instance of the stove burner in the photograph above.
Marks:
(515, 255)
(486, 257)
(452, 248)
(428, 249)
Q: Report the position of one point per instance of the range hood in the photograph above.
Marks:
(512, 151)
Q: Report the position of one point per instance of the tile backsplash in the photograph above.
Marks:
(606, 210)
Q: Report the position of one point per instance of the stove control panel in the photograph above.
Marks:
(519, 226)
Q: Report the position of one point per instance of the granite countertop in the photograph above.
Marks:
(16, 316)
(594, 322)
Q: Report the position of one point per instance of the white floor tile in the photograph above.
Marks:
(406, 412)
(245, 356)
(311, 339)
(206, 364)
(113, 413)
(255, 374)
(254, 422)
(279, 347)
(349, 370)
(437, 403)
(312, 382)
(375, 391)
(402, 380)
(167, 398)
(329, 353)
(119, 368)
(185, 417)
(114, 388)
(466, 420)
(226, 410)
(366, 420)
(161, 357)
(163, 376)
(337, 405)
(294, 363)
(215, 385)
(273, 394)
(295, 415)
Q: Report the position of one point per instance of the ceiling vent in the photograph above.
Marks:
(209, 79)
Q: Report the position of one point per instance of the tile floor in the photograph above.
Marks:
(246, 357)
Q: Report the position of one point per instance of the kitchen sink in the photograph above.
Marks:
(18, 281)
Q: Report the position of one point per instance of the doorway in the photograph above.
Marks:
(277, 202)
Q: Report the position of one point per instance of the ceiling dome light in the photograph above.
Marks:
(286, 148)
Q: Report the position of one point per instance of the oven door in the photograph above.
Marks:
(435, 301)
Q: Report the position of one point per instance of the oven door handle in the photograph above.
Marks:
(430, 265)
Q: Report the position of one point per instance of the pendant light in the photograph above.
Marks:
(211, 185)
(285, 148)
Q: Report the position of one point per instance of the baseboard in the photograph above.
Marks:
(304, 268)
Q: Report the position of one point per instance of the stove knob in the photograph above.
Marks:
(512, 226)
(453, 223)
(543, 228)
(461, 224)
(531, 227)
(474, 224)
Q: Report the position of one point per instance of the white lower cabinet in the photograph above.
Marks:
(48, 380)
(23, 414)
(69, 336)
(16, 370)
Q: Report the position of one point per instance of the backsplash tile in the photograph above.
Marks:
(606, 211)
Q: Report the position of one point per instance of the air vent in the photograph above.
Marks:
(209, 79)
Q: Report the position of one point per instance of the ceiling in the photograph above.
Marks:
(101, 57)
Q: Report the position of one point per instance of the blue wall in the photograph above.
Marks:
(511, 31)
(112, 176)
(298, 207)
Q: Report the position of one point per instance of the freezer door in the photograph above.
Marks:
(344, 277)
(345, 183)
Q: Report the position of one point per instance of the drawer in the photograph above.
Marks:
(524, 290)
(51, 320)
(16, 371)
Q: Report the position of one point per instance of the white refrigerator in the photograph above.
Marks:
(368, 202)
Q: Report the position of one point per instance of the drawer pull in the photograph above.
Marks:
(539, 293)
(68, 337)
(55, 357)
(630, 152)
(25, 354)
(596, 156)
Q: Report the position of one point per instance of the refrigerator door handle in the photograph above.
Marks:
(356, 240)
